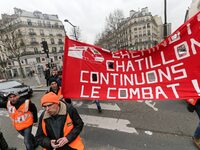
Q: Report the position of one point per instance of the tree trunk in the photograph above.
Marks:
(20, 67)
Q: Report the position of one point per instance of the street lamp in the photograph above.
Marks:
(74, 27)
(165, 18)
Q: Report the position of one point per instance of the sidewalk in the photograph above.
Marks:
(32, 82)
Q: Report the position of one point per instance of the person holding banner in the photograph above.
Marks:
(194, 105)
(59, 125)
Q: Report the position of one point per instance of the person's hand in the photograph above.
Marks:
(61, 97)
(62, 141)
(35, 124)
(54, 144)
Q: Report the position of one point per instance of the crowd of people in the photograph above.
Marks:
(59, 125)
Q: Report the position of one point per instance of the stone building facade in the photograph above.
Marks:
(139, 31)
(33, 27)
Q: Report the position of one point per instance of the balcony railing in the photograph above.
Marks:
(33, 24)
(59, 35)
(34, 43)
(60, 43)
(32, 33)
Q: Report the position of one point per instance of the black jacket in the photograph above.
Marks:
(55, 125)
(20, 101)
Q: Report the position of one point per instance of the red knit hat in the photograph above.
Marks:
(50, 98)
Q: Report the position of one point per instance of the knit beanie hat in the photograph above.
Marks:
(13, 93)
(52, 79)
(50, 98)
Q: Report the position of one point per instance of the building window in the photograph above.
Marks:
(19, 32)
(61, 49)
(33, 40)
(31, 32)
(29, 22)
(43, 59)
(48, 24)
(41, 32)
(148, 25)
(56, 24)
(60, 41)
(54, 50)
(35, 50)
(38, 59)
(56, 58)
(52, 41)
(39, 23)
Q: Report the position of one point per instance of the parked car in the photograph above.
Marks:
(9, 86)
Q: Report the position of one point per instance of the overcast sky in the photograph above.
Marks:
(90, 15)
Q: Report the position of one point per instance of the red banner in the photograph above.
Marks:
(168, 71)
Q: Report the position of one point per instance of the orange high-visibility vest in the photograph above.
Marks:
(192, 101)
(21, 118)
(77, 143)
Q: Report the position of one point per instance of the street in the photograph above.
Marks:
(125, 125)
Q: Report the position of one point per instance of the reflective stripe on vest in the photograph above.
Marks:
(77, 143)
(21, 118)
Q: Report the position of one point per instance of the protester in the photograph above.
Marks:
(98, 105)
(55, 88)
(4, 144)
(23, 114)
(59, 78)
(54, 75)
(59, 125)
(47, 74)
(195, 106)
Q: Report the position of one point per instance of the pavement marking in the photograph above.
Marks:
(4, 113)
(101, 122)
(95, 121)
(148, 132)
(77, 103)
(108, 123)
(104, 106)
(149, 103)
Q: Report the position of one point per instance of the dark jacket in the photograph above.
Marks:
(56, 92)
(20, 101)
(55, 125)
(47, 73)
(192, 108)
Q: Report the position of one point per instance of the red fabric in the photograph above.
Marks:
(168, 71)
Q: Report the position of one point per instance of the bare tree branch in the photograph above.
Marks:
(13, 45)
